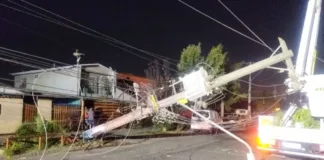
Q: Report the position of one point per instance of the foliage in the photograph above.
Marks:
(234, 95)
(37, 128)
(304, 116)
(28, 131)
(25, 130)
(190, 57)
(217, 60)
(164, 119)
(217, 64)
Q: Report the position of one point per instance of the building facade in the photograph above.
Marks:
(96, 81)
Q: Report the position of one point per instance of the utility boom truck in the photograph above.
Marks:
(304, 91)
(287, 139)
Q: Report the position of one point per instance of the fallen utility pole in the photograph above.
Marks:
(222, 80)
(191, 91)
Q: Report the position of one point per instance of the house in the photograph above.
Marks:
(97, 81)
(17, 107)
(58, 92)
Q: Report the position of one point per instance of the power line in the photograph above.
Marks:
(320, 59)
(30, 60)
(262, 42)
(30, 30)
(269, 76)
(273, 53)
(245, 25)
(110, 38)
(23, 53)
(63, 72)
(259, 85)
(86, 33)
(243, 96)
(55, 70)
(226, 26)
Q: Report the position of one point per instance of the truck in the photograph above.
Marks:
(284, 135)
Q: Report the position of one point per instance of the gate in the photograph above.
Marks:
(66, 116)
(106, 111)
(29, 113)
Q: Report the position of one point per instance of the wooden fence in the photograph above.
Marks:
(69, 116)
(106, 110)
(66, 116)
(29, 113)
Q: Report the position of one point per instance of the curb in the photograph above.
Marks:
(145, 136)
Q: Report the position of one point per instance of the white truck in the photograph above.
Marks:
(292, 139)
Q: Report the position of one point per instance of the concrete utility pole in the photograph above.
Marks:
(222, 80)
(78, 56)
(249, 99)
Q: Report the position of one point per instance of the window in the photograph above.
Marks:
(179, 87)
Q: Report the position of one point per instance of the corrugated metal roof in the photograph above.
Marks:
(131, 77)
(61, 68)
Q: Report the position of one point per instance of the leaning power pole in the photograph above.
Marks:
(249, 98)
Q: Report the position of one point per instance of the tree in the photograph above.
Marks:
(217, 59)
(234, 95)
(216, 64)
(190, 57)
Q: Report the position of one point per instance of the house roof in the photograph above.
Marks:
(92, 67)
(9, 90)
(136, 79)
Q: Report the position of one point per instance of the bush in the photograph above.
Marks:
(25, 130)
(38, 128)
(31, 131)
(304, 116)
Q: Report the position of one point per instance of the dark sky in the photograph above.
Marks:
(163, 27)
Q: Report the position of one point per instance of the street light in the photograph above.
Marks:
(78, 56)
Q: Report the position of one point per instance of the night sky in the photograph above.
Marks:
(162, 27)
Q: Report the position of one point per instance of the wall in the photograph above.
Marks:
(45, 108)
(11, 114)
(59, 82)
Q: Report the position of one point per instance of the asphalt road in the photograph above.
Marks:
(197, 147)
